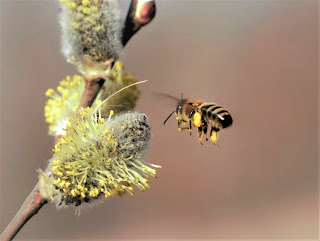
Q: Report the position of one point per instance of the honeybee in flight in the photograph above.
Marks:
(198, 113)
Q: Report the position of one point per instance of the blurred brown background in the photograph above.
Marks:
(259, 59)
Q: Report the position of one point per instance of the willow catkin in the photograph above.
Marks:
(90, 34)
(98, 157)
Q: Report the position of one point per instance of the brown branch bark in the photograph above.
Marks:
(91, 90)
(30, 207)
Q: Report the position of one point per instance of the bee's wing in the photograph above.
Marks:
(166, 96)
(171, 102)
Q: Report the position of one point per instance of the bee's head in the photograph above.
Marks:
(178, 110)
(180, 105)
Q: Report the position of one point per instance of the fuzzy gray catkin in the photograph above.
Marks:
(90, 33)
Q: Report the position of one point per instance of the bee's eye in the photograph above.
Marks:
(190, 103)
(178, 110)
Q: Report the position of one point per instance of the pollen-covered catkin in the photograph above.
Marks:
(123, 101)
(90, 34)
(98, 157)
(64, 101)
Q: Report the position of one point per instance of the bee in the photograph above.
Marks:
(198, 113)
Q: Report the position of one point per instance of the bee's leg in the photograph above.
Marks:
(200, 134)
(190, 127)
(190, 122)
(205, 129)
(214, 135)
(181, 125)
(202, 131)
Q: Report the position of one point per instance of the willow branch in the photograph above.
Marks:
(140, 13)
(91, 90)
(30, 207)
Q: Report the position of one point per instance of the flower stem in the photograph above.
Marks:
(30, 207)
(91, 90)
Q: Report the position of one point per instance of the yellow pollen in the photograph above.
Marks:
(60, 174)
(73, 193)
(214, 137)
(197, 119)
(49, 92)
(57, 181)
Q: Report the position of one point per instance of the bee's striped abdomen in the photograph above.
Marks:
(216, 115)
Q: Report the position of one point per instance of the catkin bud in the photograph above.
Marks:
(91, 34)
(98, 157)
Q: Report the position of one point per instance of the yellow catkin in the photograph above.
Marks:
(102, 161)
(64, 102)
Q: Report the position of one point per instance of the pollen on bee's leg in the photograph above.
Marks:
(214, 137)
(197, 119)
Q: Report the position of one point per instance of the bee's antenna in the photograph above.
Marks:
(168, 117)
(140, 82)
(181, 96)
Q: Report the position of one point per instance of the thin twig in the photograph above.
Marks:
(140, 13)
(30, 207)
(91, 90)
